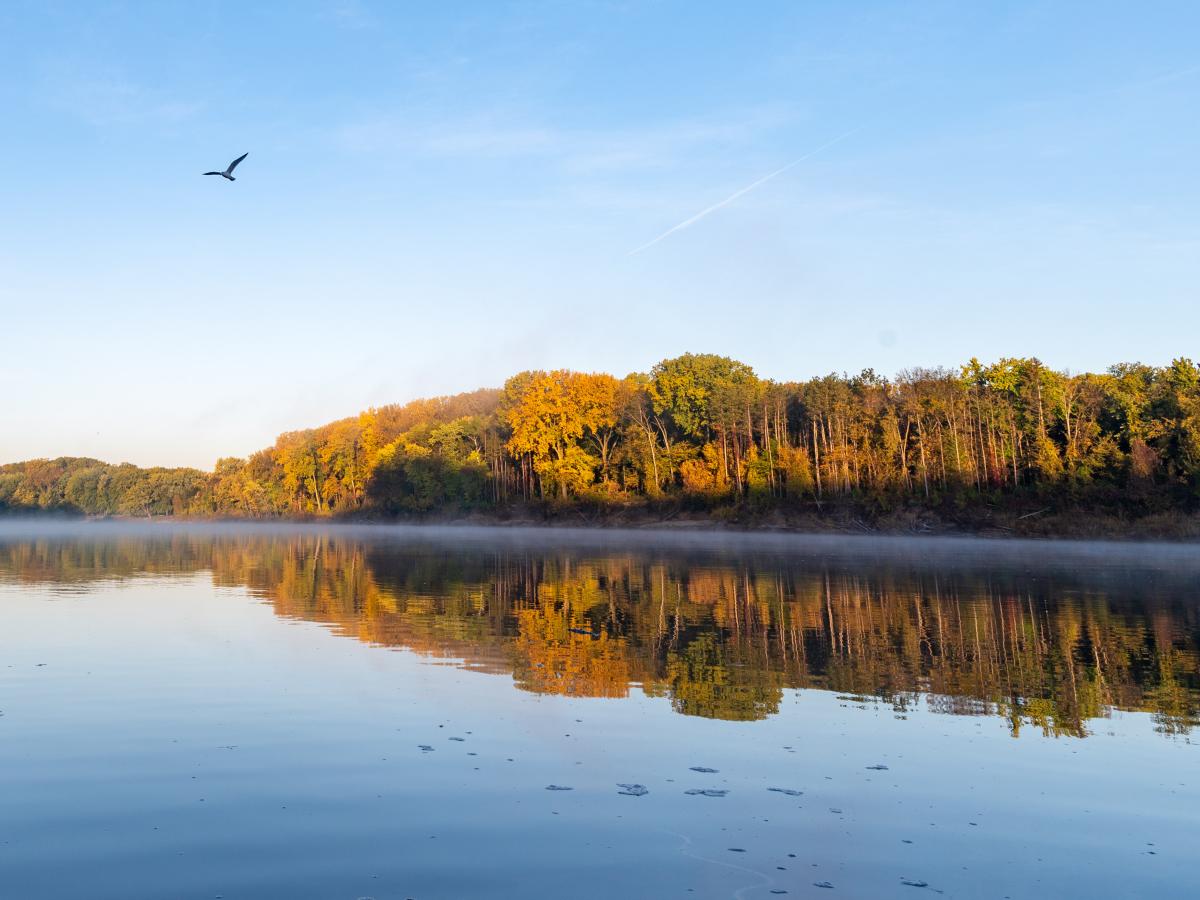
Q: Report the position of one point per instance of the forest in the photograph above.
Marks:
(702, 435)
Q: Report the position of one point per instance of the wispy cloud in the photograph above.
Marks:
(476, 136)
(109, 98)
(1160, 79)
(572, 150)
(353, 15)
(665, 145)
(692, 220)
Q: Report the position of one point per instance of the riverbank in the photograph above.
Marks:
(1038, 522)
(1041, 522)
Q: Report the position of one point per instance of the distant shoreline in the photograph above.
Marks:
(1044, 524)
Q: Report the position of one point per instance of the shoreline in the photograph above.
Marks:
(1048, 527)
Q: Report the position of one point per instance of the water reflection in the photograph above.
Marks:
(720, 633)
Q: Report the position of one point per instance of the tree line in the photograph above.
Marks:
(699, 430)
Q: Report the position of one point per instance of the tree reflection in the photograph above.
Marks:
(720, 637)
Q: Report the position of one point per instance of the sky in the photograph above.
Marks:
(438, 196)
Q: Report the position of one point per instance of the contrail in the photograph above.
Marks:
(747, 189)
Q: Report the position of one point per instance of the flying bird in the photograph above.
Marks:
(228, 173)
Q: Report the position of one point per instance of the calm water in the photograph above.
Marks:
(347, 713)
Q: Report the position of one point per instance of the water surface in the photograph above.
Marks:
(378, 712)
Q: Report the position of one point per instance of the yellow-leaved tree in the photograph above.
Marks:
(552, 414)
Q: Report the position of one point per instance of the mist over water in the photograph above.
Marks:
(347, 711)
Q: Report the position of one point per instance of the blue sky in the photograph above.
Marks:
(439, 195)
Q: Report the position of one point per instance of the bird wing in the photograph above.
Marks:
(214, 173)
(233, 165)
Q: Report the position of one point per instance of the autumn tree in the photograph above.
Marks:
(551, 415)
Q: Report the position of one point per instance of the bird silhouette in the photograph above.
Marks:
(228, 173)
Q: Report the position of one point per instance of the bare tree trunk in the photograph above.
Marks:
(816, 458)
(921, 446)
